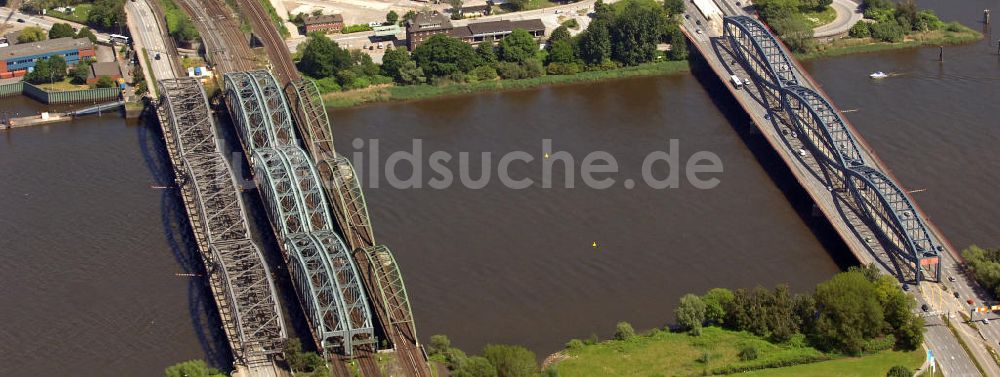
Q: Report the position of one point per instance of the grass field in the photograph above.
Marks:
(716, 351)
(62, 86)
(817, 19)
(664, 353)
(872, 365)
(415, 92)
(79, 14)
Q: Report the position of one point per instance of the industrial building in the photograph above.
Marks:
(21, 58)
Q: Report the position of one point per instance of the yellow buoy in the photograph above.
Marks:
(546, 155)
(594, 244)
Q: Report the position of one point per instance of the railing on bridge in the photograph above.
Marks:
(883, 206)
(326, 278)
(235, 265)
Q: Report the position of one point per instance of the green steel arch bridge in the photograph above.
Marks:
(300, 189)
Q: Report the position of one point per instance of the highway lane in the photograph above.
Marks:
(149, 35)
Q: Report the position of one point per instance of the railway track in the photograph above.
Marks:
(280, 58)
(225, 45)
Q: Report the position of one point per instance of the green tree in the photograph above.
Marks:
(849, 313)
(517, 47)
(31, 34)
(795, 31)
(780, 315)
(624, 331)
(860, 30)
(487, 54)
(442, 55)
(561, 52)
(393, 61)
(411, 74)
(716, 300)
(192, 368)
(985, 266)
(105, 82)
(409, 15)
(392, 17)
(438, 345)
(907, 10)
(41, 73)
(635, 33)
(323, 57)
(106, 14)
(511, 361)
(804, 307)
(673, 7)
(899, 371)
(476, 366)
(80, 72)
(595, 43)
(561, 33)
(888, 31)
(60, 30)
(293, 355)
(678, 44)
(85, 32)
(690, 313)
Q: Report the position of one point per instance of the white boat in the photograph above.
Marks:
(878, 75)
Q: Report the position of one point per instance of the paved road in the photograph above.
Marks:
(848, 14)
(146, 30)
(10, 16)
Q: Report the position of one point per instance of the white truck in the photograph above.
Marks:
(737, 83)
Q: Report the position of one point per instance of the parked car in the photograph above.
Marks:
(956, 294)
(21, 20)
(157, 56)
(951, 278)
(925, 308)
(906, 287)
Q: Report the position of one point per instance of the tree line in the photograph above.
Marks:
(626, 33)
(497, 360)
(984, 263)
(893, 21)
(855, 312)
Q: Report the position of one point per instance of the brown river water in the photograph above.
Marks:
(93, 258)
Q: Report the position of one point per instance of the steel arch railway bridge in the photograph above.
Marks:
(840, 164)
(326, 277)
(238, 275)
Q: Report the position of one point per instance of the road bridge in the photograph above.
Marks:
(238, 275)
(877, 219)
(325, 275)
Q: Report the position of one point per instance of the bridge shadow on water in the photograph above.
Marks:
(770, 161)
(205, 320)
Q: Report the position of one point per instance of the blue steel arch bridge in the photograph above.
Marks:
(874, 205)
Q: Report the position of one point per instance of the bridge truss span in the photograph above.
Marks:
(881, 204)
(310, 115)
(237, 272)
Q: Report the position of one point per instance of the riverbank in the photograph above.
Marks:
(718, 351)
(424, 91)
(959, 34)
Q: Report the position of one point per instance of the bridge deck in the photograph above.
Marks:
(760, 100)
(238, 276)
